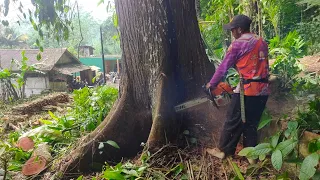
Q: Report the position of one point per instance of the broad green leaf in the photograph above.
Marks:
(114, 175)
(46, 122)
(113, 144)
(262, 157)
(39, 56)
(286, 146)
(275, 139)
(276, 159)
(131, 172)
(292, 125)
(261, 149)
(53, 116)
(246, 151)
(38, 42)
(80, 177)
(265, 120)
(308, 166)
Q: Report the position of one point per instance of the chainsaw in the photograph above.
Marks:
(218, 96)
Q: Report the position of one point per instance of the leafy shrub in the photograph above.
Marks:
(310, 119)
(286, 53)
(308, 170)
(277, 149)
(310, 32)
(92, 105)
(306, 85)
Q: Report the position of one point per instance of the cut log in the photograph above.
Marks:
(38, 161)
(34, 165)
(25, 143)
(37, 105)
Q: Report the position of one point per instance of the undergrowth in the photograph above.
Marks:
(90, 107)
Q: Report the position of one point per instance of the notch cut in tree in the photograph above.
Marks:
(164, 64)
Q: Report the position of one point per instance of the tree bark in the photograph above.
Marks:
(164, 64)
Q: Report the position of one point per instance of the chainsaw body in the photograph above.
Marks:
(220, 95)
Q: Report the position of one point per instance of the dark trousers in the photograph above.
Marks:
(234, 127)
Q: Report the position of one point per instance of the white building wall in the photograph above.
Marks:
(35, 85)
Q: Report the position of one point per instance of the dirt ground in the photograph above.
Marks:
(311, 63)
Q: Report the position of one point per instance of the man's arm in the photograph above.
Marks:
(229, 60)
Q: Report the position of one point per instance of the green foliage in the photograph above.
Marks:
(90, 108)
(310, 118)
(286, 51)
(292, 130)
(307, 85)
(278, 150)
(215, 13)
(111, 143)
(310, 33)
(7, 76)
(237, 171)
(11, 157)
(276, 159)
(265, 120)
(123, 171)
(314, 145)
(92, 105)
(308, 165)
(143, 170)
(233, 77)
(308, 170)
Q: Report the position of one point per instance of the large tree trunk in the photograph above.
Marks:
(164, 63)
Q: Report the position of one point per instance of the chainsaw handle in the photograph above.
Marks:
(208, 92)
(211, 97)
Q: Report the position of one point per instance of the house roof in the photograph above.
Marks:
(48, 61)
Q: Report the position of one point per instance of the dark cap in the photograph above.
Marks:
(238, 21)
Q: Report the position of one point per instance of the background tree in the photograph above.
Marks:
(10, 39)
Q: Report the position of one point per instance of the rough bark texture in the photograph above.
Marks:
(164, 64)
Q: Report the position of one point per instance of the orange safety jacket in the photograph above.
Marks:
(253, 69)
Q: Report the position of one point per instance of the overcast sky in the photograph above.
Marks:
(98, 12)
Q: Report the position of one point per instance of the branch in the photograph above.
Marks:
(80, 31)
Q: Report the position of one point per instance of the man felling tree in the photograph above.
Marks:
(164, 64)
(249, 54)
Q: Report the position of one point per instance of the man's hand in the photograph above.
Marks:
(208, 85)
